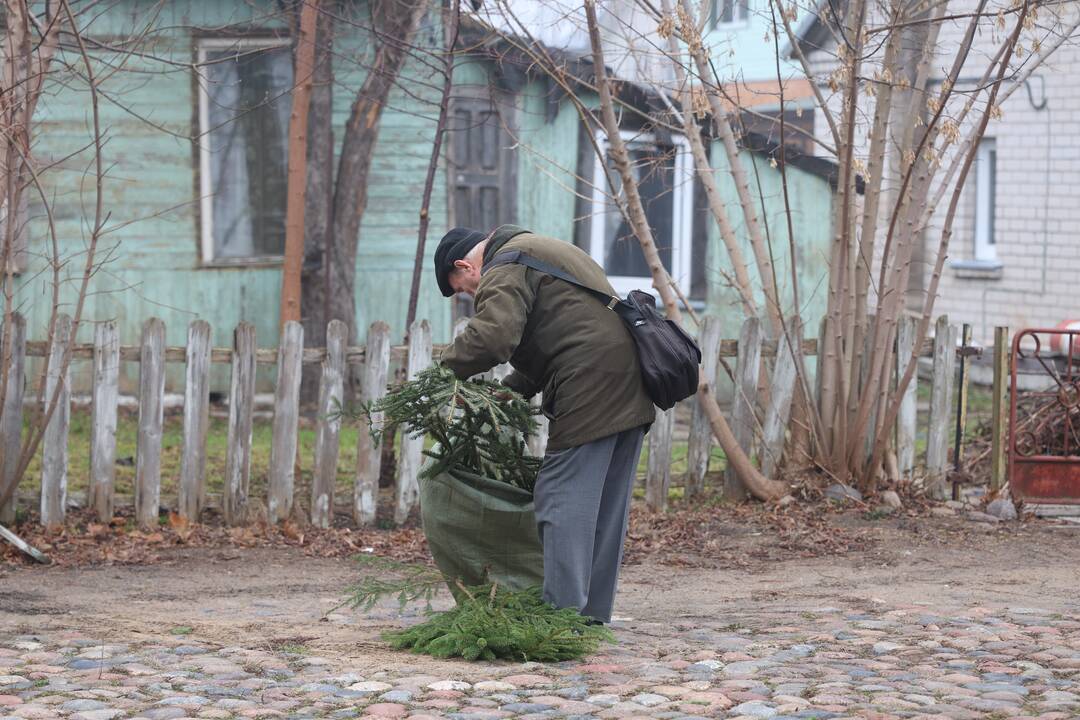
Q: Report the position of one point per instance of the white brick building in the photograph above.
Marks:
(1014, 256)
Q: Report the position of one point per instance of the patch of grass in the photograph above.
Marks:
(294, 649)
(181, 630)
(172, 445)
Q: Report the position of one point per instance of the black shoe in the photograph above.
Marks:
(593, 622)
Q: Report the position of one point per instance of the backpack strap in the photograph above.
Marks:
(517, 257)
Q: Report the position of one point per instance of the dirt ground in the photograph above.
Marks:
(668, 601)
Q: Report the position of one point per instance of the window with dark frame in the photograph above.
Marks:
(985, 201)
(729, 12)
(244, 105)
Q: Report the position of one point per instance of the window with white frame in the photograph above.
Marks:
(244, 106)
(985, 201)
(664, 174)
(729, 12)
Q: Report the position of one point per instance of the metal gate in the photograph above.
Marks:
(1044, 417)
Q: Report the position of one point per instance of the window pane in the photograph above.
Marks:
(249, 104)
(654, 169)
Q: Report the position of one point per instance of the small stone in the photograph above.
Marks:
(6, 680)
(754, 709)
(649, 699)
(842, 493)
(1002, 508)
(494, 686)
(106, 714)
(80, 705)
(390, 710)
(527, 680)
(450, 685)
(891, 499)
(785, 501)
(942, 511)
(884, 648)
(976, 516)
(371, 687)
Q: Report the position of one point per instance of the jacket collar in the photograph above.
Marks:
(500, 237)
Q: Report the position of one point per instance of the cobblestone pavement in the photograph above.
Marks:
(893, 660)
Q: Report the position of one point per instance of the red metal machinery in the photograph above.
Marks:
(1044, 416)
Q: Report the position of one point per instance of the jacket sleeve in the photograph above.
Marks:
(521, 384)
(503, 302)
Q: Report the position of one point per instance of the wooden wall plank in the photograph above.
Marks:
(781, 392)
(1000, 408)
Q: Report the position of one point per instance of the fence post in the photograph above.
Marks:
(241, 409)
(744, 420)
(54, 461)
(658, 477)
(103, 428)
(909, 409)
(699, 443)
(328, 429)
(196, 420)
(408, 488)
(279, 499)
(151, 415)
(368, 451)
(937, 444)
(781, 392)
(1000, 408)
(11, 419)
(961, 407)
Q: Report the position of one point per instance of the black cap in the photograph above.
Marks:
(455, 245)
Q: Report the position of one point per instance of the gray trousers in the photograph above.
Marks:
(582, 501)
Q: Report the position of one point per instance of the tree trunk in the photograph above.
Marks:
(297, 180)
(318, 206)
(396, 21)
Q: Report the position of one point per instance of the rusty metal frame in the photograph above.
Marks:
(1033, 475)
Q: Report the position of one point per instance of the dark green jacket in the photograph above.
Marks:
(560, 340)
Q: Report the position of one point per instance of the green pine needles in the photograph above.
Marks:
(478, 425)
(491, 624)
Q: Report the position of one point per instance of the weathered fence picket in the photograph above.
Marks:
(103, 425)
(699, 442)
(279, 495)
(941, 407)
(54, 460)
(241, 411)
(368, 450)
(328, 429)
(408, 488)
(151, 417)
(743, 416)
(196, 421)
(781, 392)
(658, 472)
(12, 414)
(908, 417)
(761, 430)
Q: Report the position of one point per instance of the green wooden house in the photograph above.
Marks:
(196, 144)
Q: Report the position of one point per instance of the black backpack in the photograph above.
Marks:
(669, 358)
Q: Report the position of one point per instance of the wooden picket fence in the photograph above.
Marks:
(760, 426)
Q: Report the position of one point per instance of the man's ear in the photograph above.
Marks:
(462, 265)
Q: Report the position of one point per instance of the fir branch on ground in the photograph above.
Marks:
(413, 582)
(478, 426)
(490, 624)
